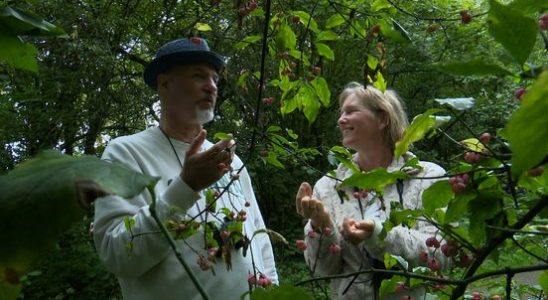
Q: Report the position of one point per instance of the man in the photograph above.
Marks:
(184, 73)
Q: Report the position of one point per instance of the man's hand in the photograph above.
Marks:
(312, 208)
(357, 231)
(202, 169)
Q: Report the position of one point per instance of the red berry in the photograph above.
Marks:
(252, 279)
(224, 234)
(264, 281)
(519, 93)
(465, 16)
(375, 29)
(243, 11)
(357, 195)
(252, 5)
(543, 22)
(301, 245)
(203, 263)
(180, 228)
(449, 249)
(535, 172)
(433, 27)
(316, 71)
(476, 296)
(327, 231)
(432, 242)
(464, 178)
(268, 100)
(423, 256)
(434, 265)
(335, 249)
(458, 187)
(485, 137)
(296, 19)
(465, 260)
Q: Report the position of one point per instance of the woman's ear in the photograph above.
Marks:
(161, 81)
(384, 119)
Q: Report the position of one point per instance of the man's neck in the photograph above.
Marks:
(181, 132)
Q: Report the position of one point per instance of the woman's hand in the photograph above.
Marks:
(357, 231)
(312, 208)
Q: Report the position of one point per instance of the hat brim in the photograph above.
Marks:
(164, 63)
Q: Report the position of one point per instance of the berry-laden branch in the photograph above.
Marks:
(171, 241)
(442, 280)
(484, 252)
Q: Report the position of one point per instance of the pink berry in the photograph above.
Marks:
(327, 231)
(203, 263)
(423, 256)
(543, 22)
(335, 249)
(519, 93)
(301, 245)
(251, 279)
(432, 242)
(434, 265)
(458, 187)
(449, 249)
(465, 16)
(400, 287)
(472, 157)
(224, 234)
(485, 137)
(496, 297)
(464, 178)
(476, 296)
(253, 5)
(465, 260)
(264, 281)
(357, 195)
(535, 172)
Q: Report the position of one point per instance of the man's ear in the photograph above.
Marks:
(161, 81)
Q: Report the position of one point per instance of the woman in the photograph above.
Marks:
(371, 122)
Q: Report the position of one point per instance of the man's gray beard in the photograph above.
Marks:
(204, 115)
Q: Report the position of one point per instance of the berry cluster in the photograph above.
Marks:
(543, 22)
(458, 183)
(450, 249)
(262, 281)
(465, 16)
(247, 7)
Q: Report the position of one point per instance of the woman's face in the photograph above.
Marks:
(359, 125)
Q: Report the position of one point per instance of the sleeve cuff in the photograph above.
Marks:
(373, 239)
(180, 194)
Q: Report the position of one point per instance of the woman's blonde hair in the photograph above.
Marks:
(377, 101)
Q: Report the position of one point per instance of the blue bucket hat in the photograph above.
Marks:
(181, 52)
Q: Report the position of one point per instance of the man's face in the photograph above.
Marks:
(189, 93)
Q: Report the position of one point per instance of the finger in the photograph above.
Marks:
(367, 225)
(346, 226)
(197, 143)
(301, 193)
(305, 207)
(304, 190)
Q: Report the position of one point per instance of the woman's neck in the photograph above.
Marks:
(369, 159)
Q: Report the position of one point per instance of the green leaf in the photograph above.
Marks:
(543, 281)
(15, 22)
(457, 103)
(416, 131)
(529, 6)
(527, 130)
(43, 197)
(516, 32)
(378, 5)
(437, 196)
(305, 19)
(375, 179)
(285, 38)
(372, 62)
(322, 90)
(475, 67)
(325, 51)
(326, 36)
(223, 136)
(18, 54)
(282, 292)
(473, 144)
(202, 27)
(389, 285)
(380, 83)
(247, 41)
(310, 103)
(458, 206)
(334, 21)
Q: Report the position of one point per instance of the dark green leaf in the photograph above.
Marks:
(475, 67)
(334, 21)
(527, 130)
(17, 22)
(458, 206)
(543, 281)
(42, 197)
(326, 36)
(18, 54)
(247, 41)
(437, 196)
(529, 6)
(516, 32)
